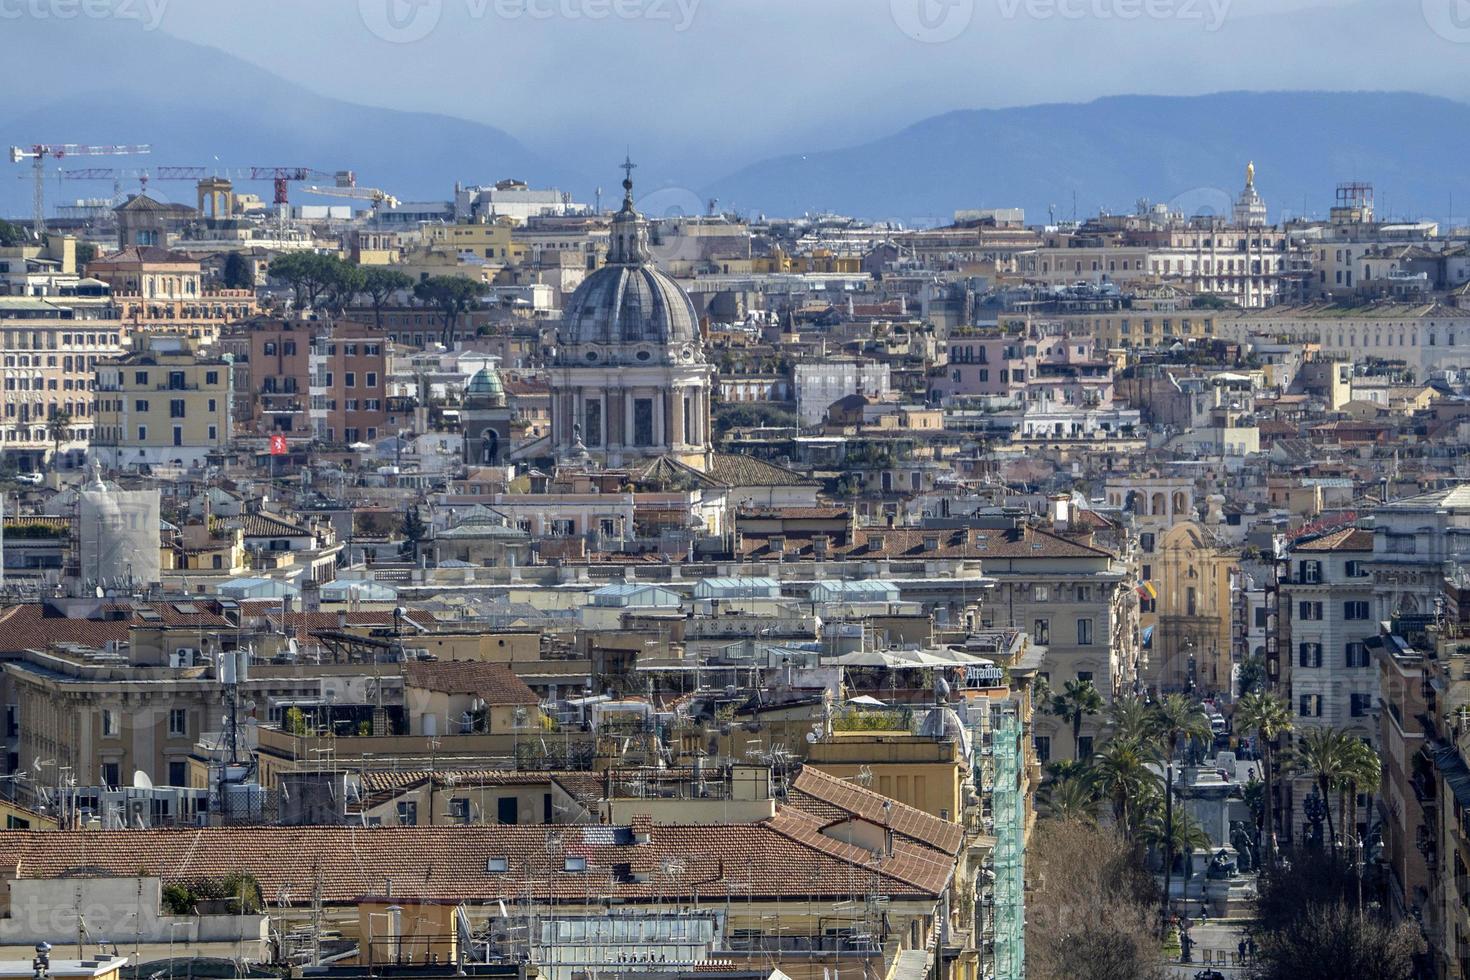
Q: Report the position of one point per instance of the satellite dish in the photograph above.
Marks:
(811, 738)
(99, 591)
(141, 780)
(291, 646)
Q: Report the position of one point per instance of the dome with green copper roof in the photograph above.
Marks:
(486, 386)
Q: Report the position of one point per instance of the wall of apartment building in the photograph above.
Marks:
(48, 366)
(1052, 609)
(280, 378)
(355, 364)
(161, 409)
(1333, 682)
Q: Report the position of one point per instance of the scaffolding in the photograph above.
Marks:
(1008, 861)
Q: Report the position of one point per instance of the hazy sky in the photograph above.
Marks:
(719, 82)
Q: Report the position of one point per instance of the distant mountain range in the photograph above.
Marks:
(1190, 151)
(199, 106)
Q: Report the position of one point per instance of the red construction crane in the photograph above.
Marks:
(38, 152)
(282, 176)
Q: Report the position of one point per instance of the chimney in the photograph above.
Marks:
(778, 544)
(820, 543)
(931, 542)
(642, 827)
(1061, 512)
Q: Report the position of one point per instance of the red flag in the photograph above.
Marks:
(278, 444)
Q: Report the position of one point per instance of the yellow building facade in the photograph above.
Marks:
(162, 404)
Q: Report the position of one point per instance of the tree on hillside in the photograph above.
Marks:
(380, 284)
(1268, 716)
(1078, 700)
(451, 296)
(347, 281)
(309, 274)
(236, 274)
(57, 427)
(1089, 906)
(1176, 719)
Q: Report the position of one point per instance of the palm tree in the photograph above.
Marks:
(1121, 774)
(1077, 700)
(56, 427)
(1072, 798)
(1362, 773)
(1322, 754)
(1176, 718)
(1183, 835)
(1269, 717)
(1131, 717)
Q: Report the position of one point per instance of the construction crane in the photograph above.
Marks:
(378, 198)
(39, 152)
(282, 177)
(141, 174)
(279, 176)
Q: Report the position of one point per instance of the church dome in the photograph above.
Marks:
(485, 386)
(628, 311)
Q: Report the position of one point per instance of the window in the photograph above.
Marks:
(372, 379)
(349, 378)
(1309, 655)
(1309, 610)
(111, 774)
(109, 723)
(1084, 746)
(497, 865)
(178, 435)
(1357, 568)
(140, 405)
(1361, 705)
(1311, 572)
(1355, 610)
(592, 424)
(408, 813)
(178, 774)
(1084, 632)
(1355, 655)
(211, 377)
(1043, 748)
(1041, 593)
(1041, 631)
(176, 408)
(1309, 706)
(1084, 675)
(575, 864)
(643, 422)
(178, 722)
(140, 377)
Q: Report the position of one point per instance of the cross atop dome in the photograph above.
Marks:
(629, 245)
